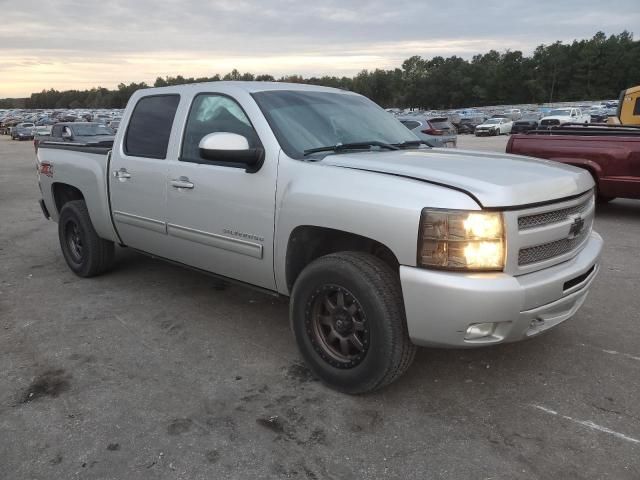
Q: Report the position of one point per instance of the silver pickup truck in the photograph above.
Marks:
(382, 243)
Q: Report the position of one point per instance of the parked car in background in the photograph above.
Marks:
(468, 125)
(598, 114)
(42, 130)
(102, 118)
(114, 125)
(513, 113)
(527, 123)
(560, 116)
(87, 133)
(22, 131)
(435, 132)
(494, 126)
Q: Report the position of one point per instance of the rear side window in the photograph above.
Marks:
(150, 126)
(636, 107)
(410, 124)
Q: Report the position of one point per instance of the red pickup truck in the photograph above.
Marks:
(610, 153)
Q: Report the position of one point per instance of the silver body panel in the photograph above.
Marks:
(238, 224)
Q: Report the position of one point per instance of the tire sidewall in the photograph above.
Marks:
(69, 214)
(371, 369)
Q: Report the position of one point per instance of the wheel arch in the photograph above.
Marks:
(308, 242)
(63, 193)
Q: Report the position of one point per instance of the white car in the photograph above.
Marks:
(560, 116)
(494, 126)
(513, 113)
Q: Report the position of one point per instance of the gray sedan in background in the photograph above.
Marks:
(435, 131)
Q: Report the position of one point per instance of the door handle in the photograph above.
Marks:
(122, 174)
(182, 182)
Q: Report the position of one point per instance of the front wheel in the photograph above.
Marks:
(347, 315)
(84, 251)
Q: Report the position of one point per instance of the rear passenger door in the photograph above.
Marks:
(138, 175)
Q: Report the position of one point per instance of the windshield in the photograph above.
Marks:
(306, 120)
(560, 112)
(493, 120)
(91, 130)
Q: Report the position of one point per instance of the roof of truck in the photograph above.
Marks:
(250, 87)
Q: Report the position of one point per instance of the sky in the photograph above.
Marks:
(85, 43)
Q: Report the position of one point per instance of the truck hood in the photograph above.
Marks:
(493, 180)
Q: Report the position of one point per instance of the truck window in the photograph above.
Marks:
(214, 113)
(56, 131)
(150, 126)
(636, 107)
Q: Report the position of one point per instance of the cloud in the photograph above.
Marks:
(75, 44)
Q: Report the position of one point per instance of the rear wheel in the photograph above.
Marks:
(348, 319)
(84, 251)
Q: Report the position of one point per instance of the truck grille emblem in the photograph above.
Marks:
(576, 227)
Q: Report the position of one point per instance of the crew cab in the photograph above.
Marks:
(611, 154)
(560, 116)
(382, 243)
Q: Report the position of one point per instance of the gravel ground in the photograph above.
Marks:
(153, 372)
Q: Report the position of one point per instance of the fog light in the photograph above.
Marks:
(479, 330)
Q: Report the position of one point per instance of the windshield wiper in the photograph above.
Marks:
(351, 146)
(411, 143)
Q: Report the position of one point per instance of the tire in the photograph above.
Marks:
(85, 252)
(602, 199)
(372, 306)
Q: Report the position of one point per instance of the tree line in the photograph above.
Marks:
(593, 69)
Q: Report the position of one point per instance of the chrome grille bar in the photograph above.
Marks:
(554, 216)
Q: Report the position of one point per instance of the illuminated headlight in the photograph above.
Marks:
(461, 240)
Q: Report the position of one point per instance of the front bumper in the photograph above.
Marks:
(440, 306)
(481, 133)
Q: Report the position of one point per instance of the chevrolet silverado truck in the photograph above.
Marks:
(382, 243)
(611, 154)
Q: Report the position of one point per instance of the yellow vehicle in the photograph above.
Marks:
(629, 106)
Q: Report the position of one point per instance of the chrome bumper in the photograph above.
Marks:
(440, 306)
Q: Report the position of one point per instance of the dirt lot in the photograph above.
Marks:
(151, 372)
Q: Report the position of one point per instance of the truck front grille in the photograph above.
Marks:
(550, 122)
(545, 235)
(538, 253)
(554, 216)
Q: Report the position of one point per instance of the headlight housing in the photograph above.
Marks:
(461, 240)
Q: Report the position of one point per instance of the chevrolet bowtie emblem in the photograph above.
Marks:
(576, 227)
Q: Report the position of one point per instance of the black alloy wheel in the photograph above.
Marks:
(337, 326)
(73, 237)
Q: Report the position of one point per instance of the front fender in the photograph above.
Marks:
(382, 207)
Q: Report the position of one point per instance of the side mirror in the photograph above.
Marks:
(231, 148)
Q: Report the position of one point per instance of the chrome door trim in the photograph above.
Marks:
(139, 221)
(223, 242)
